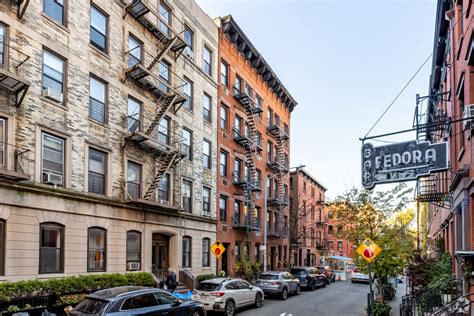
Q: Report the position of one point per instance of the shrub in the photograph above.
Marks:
(381, 309)
(204, 277)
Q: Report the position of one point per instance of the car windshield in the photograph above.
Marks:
(298, 271)
(208, 287)
(91, 306)
(268, 277)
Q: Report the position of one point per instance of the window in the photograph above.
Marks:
(339, 245)
(223, 208)
(134, 115)
(312, 237)
(2, 247)
(330, 229)
(163, 190)
(188, 91)
(224, 74)
(224, 117)
(269, 118)
(238, 83)
(223, 164)
(186, 259)
(304, 186)
(164, 131)
(3, 141)
(188, 37)
(237, 126)
(53, 76)
(135, 51)
(98, 29)
(237, 251)
(139, 301)
(53, 159)
(237, 169)
(257, 252)
(206, 201)
(165, 19)
(248, 90)
(97, 171)
(51, 248)
(269, 151)
(96, 254)
(164, 73)
(258, 101)
(3, 47)
(55, 10)
(206, 108)
(134, 247)
(134, 171)
(207, 61)
(206, 253)
(97, 93)
(312, 213)
(164, 298)
(188, 143)
(187, 196)
(206, 153)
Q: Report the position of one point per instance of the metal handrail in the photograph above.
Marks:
(8, 56)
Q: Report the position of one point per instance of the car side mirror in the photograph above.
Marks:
(177, 302)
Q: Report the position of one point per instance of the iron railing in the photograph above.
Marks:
(15, 162)
(135, 190)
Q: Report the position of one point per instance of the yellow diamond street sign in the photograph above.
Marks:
(217, 249)
(368, 250)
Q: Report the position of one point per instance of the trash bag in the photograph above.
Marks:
(186, 296)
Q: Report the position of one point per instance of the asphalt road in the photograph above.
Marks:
(339, 298)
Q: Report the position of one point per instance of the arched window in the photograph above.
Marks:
(51, 258)
(96, 249)
(134, 247)
(186, 249)
(206, 253)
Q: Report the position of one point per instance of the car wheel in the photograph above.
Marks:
(258, 300)
(230, 308)
(298, 290)
(196, 313)
(313, 286)
(284, 294)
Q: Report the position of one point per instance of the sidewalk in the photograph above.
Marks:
(400, 291)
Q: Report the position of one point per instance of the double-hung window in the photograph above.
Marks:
(237, 169)
(188, 35)
(237, 126)
(188, 143)
(206, 153)
(97, 95)
(96, 254)
(134, 51)
(206, 201)
(164, 131)
(224, 74)
(164, 73)
(206, 109)
(52, 248)
(97, 171)
(223, 164)
(186, 258)
(238, 84)
(52, 159)
(188, 91)
(54, 9)
(187, 196)
(134, 171)
(134, 115)
(165, 19)
(207, 61)
(163, 190)
(206, 254)
(98, 29)
(223, 208)
(224, 117)
(238, 212)
(134, 247)
(53, 76)
(3, 142)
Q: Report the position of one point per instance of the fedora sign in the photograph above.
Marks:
(402, 161)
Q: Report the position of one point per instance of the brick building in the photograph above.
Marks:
(253, 137)
(336, 243)
(449, 117)
(107, 137)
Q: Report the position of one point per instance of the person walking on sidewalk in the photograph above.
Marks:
(171, 280)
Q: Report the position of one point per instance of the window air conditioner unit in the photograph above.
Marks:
(188, 53)
(133, 266)
(468, 116)
(164, 202)
(52, 178)
(53, 94)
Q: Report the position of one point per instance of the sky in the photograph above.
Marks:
(343, 62)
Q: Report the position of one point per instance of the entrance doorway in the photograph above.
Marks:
(160, 255)
(272, 258)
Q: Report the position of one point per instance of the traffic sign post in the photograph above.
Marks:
(369, 251)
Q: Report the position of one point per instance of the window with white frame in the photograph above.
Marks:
(207, 61)
(206, 201)
(97, 171)
(206, 109)
(97, 95)
(52, 159)
(98, 29)
(206, 153)
(53, 76)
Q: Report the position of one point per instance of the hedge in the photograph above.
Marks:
(204, 277)
(71, 285)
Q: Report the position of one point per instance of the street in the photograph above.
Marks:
(339, 298)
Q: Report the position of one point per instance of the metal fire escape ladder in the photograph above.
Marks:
(165, 162)
(163, 106)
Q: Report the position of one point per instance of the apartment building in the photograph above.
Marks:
(253, 136)
(308, 239)
(449, 117)
(108, 140)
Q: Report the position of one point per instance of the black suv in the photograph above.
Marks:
(310, 278)
(134, 300)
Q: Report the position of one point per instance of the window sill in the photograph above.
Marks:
(104, 125)
(99, 52)
(59, 27)
(50, 275)
(206, 122)
(190, 110)
(55, 103)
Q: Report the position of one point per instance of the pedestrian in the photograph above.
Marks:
(171, 280)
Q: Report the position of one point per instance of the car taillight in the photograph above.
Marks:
(217, 294)
(276, 283)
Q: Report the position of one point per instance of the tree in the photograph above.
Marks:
(370, 214)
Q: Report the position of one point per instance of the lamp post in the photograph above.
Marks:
(265, 228)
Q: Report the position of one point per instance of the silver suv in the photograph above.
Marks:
(279, 283)
(227, 295)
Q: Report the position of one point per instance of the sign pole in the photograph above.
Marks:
(370, 308)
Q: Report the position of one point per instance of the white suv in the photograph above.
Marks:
(226, 295)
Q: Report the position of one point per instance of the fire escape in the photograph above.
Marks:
(145, 69)
(21, 6)
(250, 141)
(279, 164)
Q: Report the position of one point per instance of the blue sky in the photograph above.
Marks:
(344, 62)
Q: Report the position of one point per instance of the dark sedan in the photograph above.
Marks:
(133, 300)
(309, 277)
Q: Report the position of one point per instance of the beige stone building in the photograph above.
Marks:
(107, 137)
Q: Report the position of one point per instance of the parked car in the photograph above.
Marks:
(227, 295)
(330, 275)
(309, 277)
(279, 283)
(134, 300)
(358, 276)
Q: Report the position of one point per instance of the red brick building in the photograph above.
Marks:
(336, 244)
(253, 145)
(449, 117)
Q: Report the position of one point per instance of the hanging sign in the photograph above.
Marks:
(402, 161)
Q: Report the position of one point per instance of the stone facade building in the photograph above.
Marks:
(449, 196)
(253, 137)
(107, 137)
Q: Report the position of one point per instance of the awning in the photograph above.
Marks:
(340, 258)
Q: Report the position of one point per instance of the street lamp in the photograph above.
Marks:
(265, 215)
